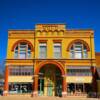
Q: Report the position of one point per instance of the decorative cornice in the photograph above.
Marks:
(43, 41)
(57, 40)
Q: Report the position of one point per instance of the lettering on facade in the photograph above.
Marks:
(50, 27)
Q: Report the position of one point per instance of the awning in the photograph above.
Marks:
(79, 79)
(20, 79)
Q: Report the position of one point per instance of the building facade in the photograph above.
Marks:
(50, 61)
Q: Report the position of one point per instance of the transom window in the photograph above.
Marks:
(22, 51)
(57, 50)
(42, 50)
(21, 70)
(79, 71)
(78, 51)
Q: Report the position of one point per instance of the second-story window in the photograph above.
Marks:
(57, 50)
(78, 51)
(22, 51)
(42, 50)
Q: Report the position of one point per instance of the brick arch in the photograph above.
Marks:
(61, 31)
(78, 41)
(42, 64)
(56, 30)
(50, 30)
(22, 41)
(38, 31)
(44, 31)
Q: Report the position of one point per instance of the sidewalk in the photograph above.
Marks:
(20, 97)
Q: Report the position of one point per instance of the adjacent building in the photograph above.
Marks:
(50, 60)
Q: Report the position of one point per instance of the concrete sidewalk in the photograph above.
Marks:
(21, 97)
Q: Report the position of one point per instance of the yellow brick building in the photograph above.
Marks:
(50, 61)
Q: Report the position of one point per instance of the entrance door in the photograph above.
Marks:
(50, 84)
(79, 88)
(75, 88)
(41, 86)
(71, 88)
(50, 90)
(58, 89)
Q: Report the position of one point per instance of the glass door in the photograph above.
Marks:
(79, 88)
(50, 89)
(41, 86)
(75, 88)
(58, 87)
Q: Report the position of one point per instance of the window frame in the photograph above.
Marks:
(21, 70)
(57, 44)
(82, 51)
(78, 72)
(42, 54)
(22, 49)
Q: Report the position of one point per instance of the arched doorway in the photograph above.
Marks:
(50, 81)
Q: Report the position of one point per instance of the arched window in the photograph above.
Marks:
(22, 51)
(78, 51)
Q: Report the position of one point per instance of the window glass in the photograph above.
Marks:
(22, 51)
(42, 50)
(78, 54)
(78, 51)
(78, 47)
(21, 70)
(57, 50)
(79, 72)
(16, 54)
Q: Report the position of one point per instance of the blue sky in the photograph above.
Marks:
(24, 14)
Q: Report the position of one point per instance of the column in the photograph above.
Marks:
(93, 69)
(94, 82)
(64, 87)
(35, 85)
(6, 87)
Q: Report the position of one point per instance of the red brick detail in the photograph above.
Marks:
(64, 86)
(42, 41)
(35, 86)
(78, 41)
(57, 41)
(6, 87)
(21, 41)
(35, 83)
(59, 65)
(94, 82)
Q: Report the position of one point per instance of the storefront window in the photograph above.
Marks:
(78, 88)
(20, 88)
